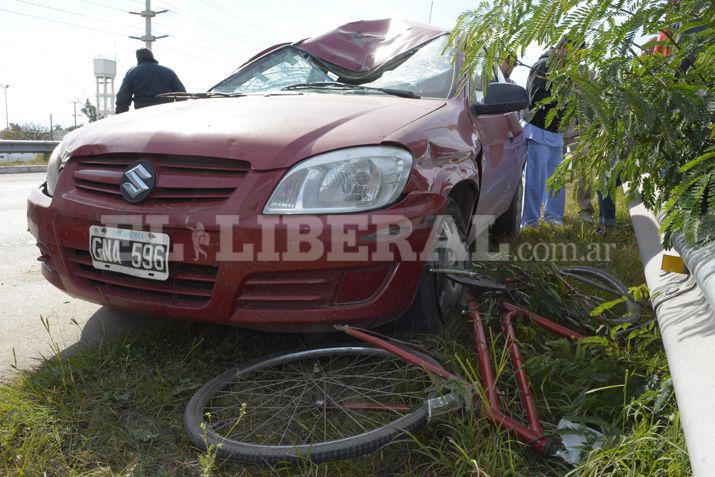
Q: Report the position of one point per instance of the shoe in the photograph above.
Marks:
(607, 230)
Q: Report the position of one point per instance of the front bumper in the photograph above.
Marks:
(263, 294)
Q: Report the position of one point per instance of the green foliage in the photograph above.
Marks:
(642, 115)
(207, 461)
(638, 293)
(26, 132)
(89, 110)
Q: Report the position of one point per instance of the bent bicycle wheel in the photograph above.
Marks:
(319, 404)
(598, 286)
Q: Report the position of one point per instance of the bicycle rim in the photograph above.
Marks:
(319, 404)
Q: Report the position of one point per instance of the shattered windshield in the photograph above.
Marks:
(428, 73)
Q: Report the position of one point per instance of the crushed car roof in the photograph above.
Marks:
(364, 45)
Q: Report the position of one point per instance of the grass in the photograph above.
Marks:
(116, 409)
(40, 159)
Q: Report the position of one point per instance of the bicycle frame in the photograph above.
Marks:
(531, 434)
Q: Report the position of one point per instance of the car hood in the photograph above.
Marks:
(269, 131)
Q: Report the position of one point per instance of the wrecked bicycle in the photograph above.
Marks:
(343, 401)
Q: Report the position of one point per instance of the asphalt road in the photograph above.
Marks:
(25, 296)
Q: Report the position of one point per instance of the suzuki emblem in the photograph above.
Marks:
(137, 181)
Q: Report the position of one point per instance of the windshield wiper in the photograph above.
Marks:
(208, 94)
(403, 93)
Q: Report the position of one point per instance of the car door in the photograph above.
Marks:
(502, 152)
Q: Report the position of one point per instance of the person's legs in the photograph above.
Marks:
(554, 210)
(584, 197)
(534, 183)
(606, 211)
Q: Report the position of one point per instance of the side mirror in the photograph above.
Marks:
(502, 98)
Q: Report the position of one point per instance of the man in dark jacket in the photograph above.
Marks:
(146, 80)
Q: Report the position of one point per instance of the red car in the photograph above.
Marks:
(308, 188)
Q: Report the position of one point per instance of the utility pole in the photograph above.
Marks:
(431, 5)
(52, 133)
(148, 14)
(7, 121)
(74, 103)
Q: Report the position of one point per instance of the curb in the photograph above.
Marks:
(22, 169)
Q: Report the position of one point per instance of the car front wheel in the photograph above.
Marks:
(437, 295)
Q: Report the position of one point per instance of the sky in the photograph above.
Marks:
(47, 47)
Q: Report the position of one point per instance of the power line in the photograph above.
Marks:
(203, 23)
(105, 6)
(204, 60)
(62, 22)
(217, 28)
(75, 25)
(167, 4)
(228, 12)
(108, 21)
(205, 40)
(205, 47)
(53, 8)
(70, 12)
(225, 31)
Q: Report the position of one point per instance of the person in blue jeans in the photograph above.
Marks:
(544, 154)
(545, 145)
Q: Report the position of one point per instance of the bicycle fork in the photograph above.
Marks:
(531, 434)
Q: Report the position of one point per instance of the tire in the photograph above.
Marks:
(509, 223)
(348, 446)
(599, 279)
(436, 295)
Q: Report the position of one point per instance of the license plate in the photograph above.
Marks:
(132, 252)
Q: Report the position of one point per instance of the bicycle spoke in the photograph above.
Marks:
(295, 408)
(317, 398)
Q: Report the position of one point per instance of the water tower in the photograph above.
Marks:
(104, 72)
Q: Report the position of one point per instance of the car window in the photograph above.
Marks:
(499, 74)
(428, 72)
(275, 71)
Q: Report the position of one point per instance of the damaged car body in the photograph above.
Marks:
(361, 133)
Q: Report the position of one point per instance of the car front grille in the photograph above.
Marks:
(294, 289)
(188, 284)
(179, 178)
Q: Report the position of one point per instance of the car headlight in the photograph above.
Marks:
(54, 167)
(346, 180)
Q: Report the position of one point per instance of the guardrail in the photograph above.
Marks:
(12, 146)
(686, 319)
(700, 261)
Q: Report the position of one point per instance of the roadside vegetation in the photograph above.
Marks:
(116, 409)
(639, 78)
(39, 159)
